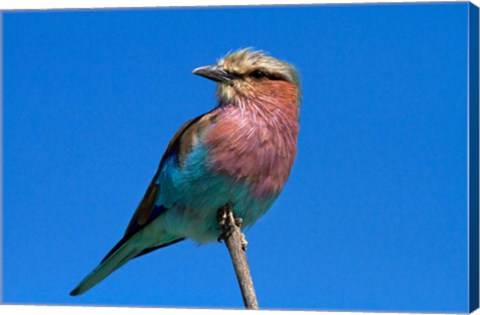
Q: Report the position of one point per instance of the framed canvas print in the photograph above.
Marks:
(147, 152)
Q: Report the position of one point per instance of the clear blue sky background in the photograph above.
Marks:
(373, 216)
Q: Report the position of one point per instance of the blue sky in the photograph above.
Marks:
(373, 216)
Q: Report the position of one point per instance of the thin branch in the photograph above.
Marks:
(237, 245)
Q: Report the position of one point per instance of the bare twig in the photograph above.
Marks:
(236, 244)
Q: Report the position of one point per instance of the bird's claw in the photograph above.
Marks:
(222, 216)
(225, 218)
(238, 222)
(244, 242)
(225, 234)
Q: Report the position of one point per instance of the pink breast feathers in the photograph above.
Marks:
(255, 144)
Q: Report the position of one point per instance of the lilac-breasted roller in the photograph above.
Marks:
(240, 153)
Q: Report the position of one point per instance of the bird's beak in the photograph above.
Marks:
(215, 73)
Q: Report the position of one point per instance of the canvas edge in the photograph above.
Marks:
(1, 158)
(473, 156)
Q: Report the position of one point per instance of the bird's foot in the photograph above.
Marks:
(227, 222)
(244, 242)
(239, 222)
(223, 215)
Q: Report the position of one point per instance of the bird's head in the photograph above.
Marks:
(246, 75)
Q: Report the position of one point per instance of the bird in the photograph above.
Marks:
(240, 153)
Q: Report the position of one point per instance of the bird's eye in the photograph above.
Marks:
(258, 74)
